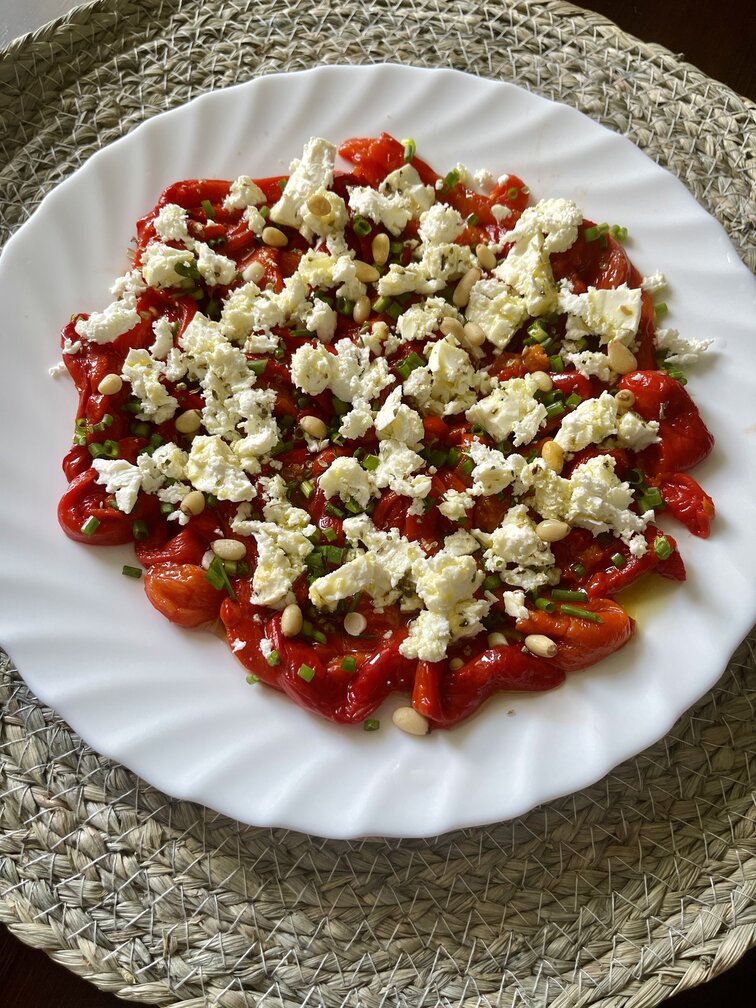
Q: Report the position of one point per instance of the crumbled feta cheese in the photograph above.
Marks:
(71, 347)
(321, 319)
(346, 479)
(461, 543)
(654, 284)
(517, 552)
(500, 212)
(57, 370)
(514, 604)
(213, 468)
(635, 433)
(120, 478)
(357, 421)
(438, 266)
(441, 224)
(638, 546)
(348, 372)
(243, 193)
(497, 310)
(256, 223)
(588, 363)
(420, 321)
(103, 327)
(610, 314)
(144, 373)
(455, 504)
(129, 286)
(171, 224)
(447, 385)
(214, 269)
(395, 469)
(484, 179)
(311, 173)
(494, 471)
(163, 332)
(594, 420)
(397, 420)
(678, 350)
(159, 264)
(510, 409)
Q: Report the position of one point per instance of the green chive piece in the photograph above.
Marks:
(361, 226)
(217, 576)
(570, 610)
(381, 304)
(355, 602)
(332, 510)
(661, 309)
(211, 500)
(662, 547)
(569, 595)
(556, 363)
(573, 400)
(331, 534)
(618, 560)
(578, 570)
(139, 530)
(492, 582)
(472, 220)
(370, 462)
(544, 605)
(132, 572)
(512, 193)
(450, 180)
(90, 526)
(344, 306)
(538, 332)
(257, 366)
(410, 149)
(282, 184)
(407, 366)
(619, 232)
(252, 679)
(650, 500)
(207, 206)
(554, 410)
(339, 406)
(371, 724)
(307, 489)
(273, 659)
(349, 664)
(306, 672)
(452, 459)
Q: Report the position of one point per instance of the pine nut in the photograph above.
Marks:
(254, 272)
(625, 400)
(291, 620)
(362, 309)
(380, 330)
(354, 624)
(553, 455)
(111, 384)
(229, 549)
(485, 257)
(542, 380)
(621, 359)
(365, 272)
(462, 291)
(318, 204)
(380, 247)
(456, 663)
(274, 237)
(497, 640)
(453, 327)
(188, 422)
(193, 503)
(313, 426)
(538, 644)
(474, 334)
(552, 530)
(408, 720)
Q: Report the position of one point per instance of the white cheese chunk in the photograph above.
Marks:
(159, 264)
(497, 310)
(243, 193)
(309, 174)
(144, 373)
(171, 224)
(510, 409)
(610, 314)
(517, 552)
(213, 468)
(214, 269)
(395, 419)
(346, 479)
(103, 327)
(678, 350)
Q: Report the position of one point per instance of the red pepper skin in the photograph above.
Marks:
(581, 642)
(687, 502)
(447, 697)
(86, 499)
(612, 579)
(182, 593)
(684, 439)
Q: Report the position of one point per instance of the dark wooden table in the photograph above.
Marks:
(718, 38)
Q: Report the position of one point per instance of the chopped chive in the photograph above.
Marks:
(492, 582)
(467, 466)
(257, 366)
(252, 679)
(307, 489)
(211, 500)
(370, 462)
(569, 595)
(319, 636)
(544, 605)
(242, 568)
(556, 363)
(650, 500)
(538, 332)
(166, 508)
(619, 232)
(396, 247)
(133, 406)
(331, 534)
(90, 526)
(264, 211)
(332, 510)
(592, 233)
(617, 559)
(410, 149)
(274, 658)
(573, 400)
(139, 530)
(635, 477)
(281, 447)
(187, 269)
(333, 554)
(512, 193)
(371, 724)
(282, 184)
(452, 459)
(405, 367)
(207, 206)
(353, 506)
(394, 310)
(306, 672)
(286, 422)
(349, 664)
(472, 220)
(661, 309)
(569, 610)
(677, 374)
(218, 578)
(662, 547)
(80, 440)
(554, 410)
(344, 306)
(361, 226)
(450, 180)
(132, 572)
(381, 304)
(578, 570)
(355, 602)
(339, 406)
(140, 428)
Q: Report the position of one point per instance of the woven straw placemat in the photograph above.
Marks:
(617, 896)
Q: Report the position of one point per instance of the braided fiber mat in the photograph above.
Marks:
(632, 889)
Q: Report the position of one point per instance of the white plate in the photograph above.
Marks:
(173, 705)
